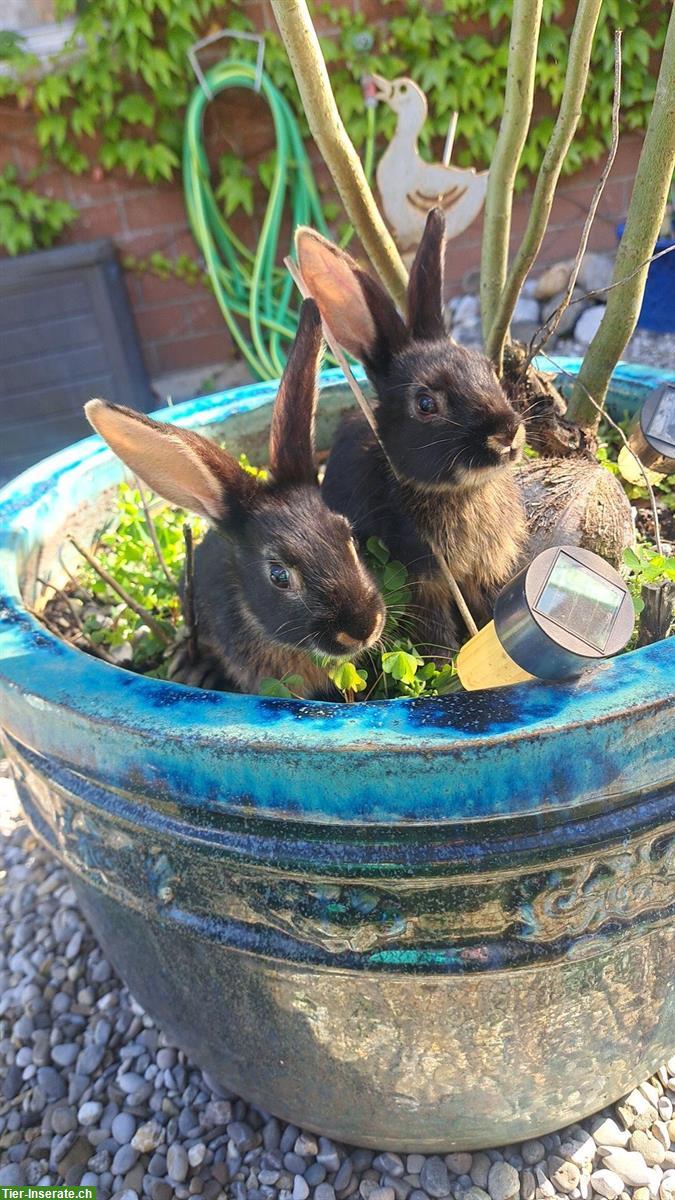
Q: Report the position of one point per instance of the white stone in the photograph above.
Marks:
(607, 1183)
(526, 309)
(579, 1153)
(467, 309)
(503, 1181)
(588, 324)
(608, 1133)
(633, 1169)
(595, 272)
(665, 1107)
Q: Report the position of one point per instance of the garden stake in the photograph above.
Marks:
(367, 411)
(658, 613)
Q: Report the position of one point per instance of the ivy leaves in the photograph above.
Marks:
(28, 220)
(117, 94)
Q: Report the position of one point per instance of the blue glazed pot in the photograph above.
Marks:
(415, 924)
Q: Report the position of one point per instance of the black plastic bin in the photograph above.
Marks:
(66, 334)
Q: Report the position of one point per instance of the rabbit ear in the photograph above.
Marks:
(183, 467)
(292, 432)
(357, 310)
(425, 287)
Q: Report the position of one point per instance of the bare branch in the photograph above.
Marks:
(515, 123)
(555, 318)
(303, 49)
(645, 215)
(581, 44)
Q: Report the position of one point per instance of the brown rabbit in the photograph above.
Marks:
(445, 424)
(279, 579)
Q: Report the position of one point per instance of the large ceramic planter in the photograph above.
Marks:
(427, 924)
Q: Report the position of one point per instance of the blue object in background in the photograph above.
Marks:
(658, 305)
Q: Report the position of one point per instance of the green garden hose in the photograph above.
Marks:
(254, 289)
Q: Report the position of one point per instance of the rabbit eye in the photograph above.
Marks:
(425, 404)
(279, 576)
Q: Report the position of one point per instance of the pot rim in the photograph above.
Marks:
(39, 674)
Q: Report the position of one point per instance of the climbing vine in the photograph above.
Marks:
(115, 98)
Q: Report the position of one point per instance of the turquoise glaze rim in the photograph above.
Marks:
(151, 738)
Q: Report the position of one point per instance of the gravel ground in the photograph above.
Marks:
(651, 349)
(91, 1092)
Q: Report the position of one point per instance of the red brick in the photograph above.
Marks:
(98, 220)
(205, 313)
(168, 321)
(153, 207)
(201, 350)
(158, 291)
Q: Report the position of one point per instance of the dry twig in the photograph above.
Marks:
(99, 651)
(153, 534)
(189, 615)
(143, 613)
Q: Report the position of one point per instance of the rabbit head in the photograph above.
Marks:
(294, 563)
(442, 415)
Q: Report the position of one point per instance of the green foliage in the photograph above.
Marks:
(291, 687)
(607, 453)
(125, 548)
(117, 95)
(29, 221)
(644, 565)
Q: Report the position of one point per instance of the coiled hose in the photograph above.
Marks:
(254, 289)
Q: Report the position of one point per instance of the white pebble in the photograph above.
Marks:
(607, 1183)
(633, 1169)
(89, 1112)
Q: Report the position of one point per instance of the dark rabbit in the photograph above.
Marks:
(279, 578)
(446, 425)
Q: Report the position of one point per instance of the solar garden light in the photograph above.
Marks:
(558, 617)
(651, 437)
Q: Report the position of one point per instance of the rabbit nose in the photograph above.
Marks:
(367, 638)
(506, 444)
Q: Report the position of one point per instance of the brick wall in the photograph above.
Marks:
(180, 326)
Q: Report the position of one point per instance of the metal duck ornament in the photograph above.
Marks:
(408, 185)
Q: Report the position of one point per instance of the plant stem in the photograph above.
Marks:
(576, 77)
(551, 324)
(143, 613)
(645, 214)
(189, 602)
(506, 157)
(153, 534)
(304, 52)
